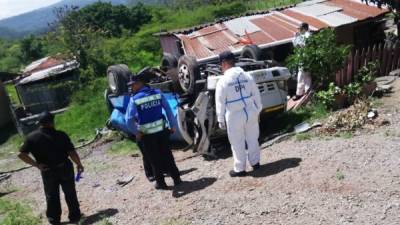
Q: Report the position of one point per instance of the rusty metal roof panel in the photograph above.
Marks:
(260, 37)
(276, 30)
(314, 22)
(267, 29)
(358, 10)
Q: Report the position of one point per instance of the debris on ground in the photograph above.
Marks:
(125, 181)
(298, 129)
(354, 117)
(293, 105)
(4, 177)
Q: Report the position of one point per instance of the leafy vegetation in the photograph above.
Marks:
(350, 92)
(321, 56)
(16, 214)
(102, 34)
(87, 111)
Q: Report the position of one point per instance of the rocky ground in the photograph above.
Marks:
(351, 179)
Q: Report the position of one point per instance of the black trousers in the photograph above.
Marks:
(148, 170)
(52, 180)
(157, 151)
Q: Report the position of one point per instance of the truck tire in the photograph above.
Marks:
(169, 65)
(252, 52)
(118, 76)
(188, 73)
(169, 61)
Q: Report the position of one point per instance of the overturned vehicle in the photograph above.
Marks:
(191, 93)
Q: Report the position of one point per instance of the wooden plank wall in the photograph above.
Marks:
(387, 55)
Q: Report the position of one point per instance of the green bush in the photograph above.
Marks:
(368, 72)
(321, 56)
(234, 8)
(16, 214)
(87, 112)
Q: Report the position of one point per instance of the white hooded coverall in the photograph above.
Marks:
(238, 102)
(303, 77)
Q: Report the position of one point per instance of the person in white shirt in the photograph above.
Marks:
(304, 80)
(238, 105)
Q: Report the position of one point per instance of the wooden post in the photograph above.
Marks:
(357, 61)
(349, 75)
(396, 55)
(373, 53)
(384, 62)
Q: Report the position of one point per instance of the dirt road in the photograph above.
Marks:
(325, 180)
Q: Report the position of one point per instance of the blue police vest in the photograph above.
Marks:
(149, 108)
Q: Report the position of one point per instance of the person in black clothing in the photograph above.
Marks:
(52, 151)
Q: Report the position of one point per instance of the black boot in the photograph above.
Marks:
(161, 185)
(237, 174)
(256, 167)
(177, 181)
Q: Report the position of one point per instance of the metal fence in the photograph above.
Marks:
(387, 55)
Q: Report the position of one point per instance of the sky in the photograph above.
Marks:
(10, 8)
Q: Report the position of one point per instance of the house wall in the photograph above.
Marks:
(169, 45)
(50, 94)
(5, 116)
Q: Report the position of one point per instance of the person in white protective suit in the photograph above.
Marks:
(304, 80)
(238, 105)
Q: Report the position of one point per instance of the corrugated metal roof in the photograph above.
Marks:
(337, 19)
(272, 28)
(356, 9)
(241, 25)
(316, 10)
(51, 71)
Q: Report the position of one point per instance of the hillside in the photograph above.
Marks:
(36, 21)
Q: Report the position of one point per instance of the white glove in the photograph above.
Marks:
(222, 125)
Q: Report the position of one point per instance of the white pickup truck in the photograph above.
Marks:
(192, 97)
(197, 121)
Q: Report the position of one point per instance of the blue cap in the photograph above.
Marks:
(46, 117)
(227, 55)
(137, 78)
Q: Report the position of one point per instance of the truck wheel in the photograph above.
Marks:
(169, 65)
(188, 73)
(169, 61)
(252, 52)
(118, 76)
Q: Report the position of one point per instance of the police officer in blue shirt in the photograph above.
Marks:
(145, 111)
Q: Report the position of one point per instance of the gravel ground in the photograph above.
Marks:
(325, 180)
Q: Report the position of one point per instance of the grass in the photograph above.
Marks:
(123, 147)
(87, 112)
(339, 175)
(12, 92)
(346, 135)
(288, 120)
(12, 213)
(105, 222)
(303, 136)
(262, 5)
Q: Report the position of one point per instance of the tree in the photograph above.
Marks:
(321, 56)
(31, 48)
(393, 5)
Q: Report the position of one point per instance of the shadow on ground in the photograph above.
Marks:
(99, 216)
(188, 187)
(276, 167)
(7, 132)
